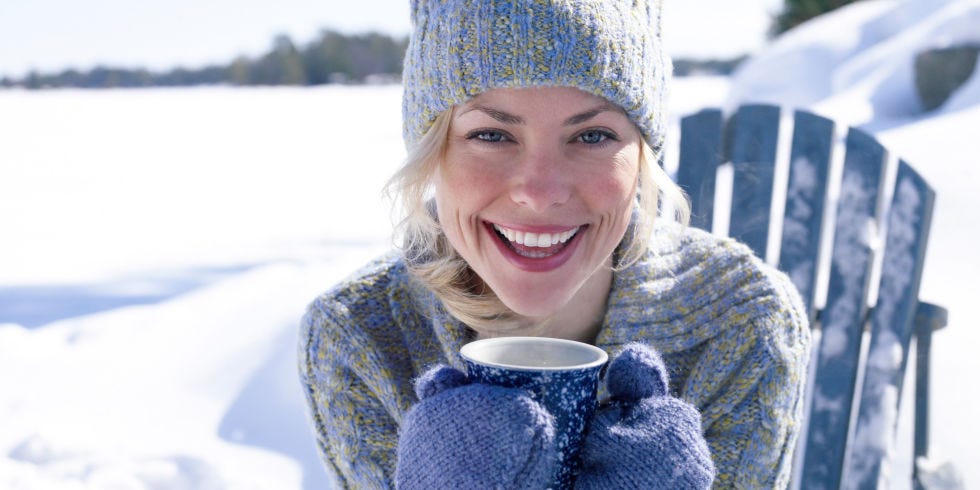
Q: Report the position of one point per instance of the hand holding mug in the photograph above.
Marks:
(471, 435)
(644, 437)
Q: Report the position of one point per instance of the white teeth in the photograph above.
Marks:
(535, 239)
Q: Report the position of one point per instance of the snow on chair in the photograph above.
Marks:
(849, 224)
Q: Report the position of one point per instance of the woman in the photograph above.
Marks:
(531, 190)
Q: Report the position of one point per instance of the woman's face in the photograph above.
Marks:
(536, 191)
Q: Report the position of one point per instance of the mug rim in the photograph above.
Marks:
(601, 356)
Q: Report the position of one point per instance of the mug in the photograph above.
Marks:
(562, 375)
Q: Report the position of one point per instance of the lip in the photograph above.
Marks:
(534, 229)
(529, 264)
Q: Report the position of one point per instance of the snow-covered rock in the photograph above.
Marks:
(857, 64)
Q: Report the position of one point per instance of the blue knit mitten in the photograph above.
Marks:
(644, 438)
(474, 436)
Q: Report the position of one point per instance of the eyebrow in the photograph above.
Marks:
(507, 118)
(500, 116)
(589, 114)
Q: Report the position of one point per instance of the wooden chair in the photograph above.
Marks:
(855, 224)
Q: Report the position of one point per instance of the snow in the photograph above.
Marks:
(879, 409)
(159, 247)
(865, 70)
(801, 186)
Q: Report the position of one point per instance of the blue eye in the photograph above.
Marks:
(593, 137)
(488, 136)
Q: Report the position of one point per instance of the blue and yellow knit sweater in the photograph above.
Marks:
(732, 331)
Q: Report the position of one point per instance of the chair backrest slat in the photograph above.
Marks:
(835, 454)
(753, 135)
(845, 313)
(909, 219)
(809, 165)
(700, 143)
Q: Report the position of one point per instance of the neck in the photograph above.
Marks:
(581, 317)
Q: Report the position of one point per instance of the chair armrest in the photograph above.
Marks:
(933, 316)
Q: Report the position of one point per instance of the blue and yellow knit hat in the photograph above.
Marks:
(461, 48)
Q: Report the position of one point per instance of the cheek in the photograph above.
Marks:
(447, 200)
(457, 199)
(464, 182)
(614, 190)
(448, 210)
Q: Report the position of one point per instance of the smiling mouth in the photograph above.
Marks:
(535, 245)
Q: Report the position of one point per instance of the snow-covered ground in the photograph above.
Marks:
(158, 247)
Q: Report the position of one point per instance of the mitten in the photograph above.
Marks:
(474, 436)
(644, 438)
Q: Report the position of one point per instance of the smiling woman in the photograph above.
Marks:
(542, 181)
(464, 142)
(532, 195)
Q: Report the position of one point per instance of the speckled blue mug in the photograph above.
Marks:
(562, 375)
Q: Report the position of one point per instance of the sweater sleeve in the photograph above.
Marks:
(750, 387)
(356, 433)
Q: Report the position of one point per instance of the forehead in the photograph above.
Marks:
(545, 100)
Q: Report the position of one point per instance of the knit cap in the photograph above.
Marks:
(461, 48)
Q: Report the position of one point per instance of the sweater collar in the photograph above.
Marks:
(664, 298)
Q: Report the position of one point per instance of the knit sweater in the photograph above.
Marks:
(732, 331)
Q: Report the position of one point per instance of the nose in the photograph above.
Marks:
(540, 181)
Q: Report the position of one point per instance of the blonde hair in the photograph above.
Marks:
(433, 261)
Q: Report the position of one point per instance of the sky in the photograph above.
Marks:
(51, 35)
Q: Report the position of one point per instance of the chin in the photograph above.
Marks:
(533, 307)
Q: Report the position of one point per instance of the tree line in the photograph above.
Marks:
(332, 57)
